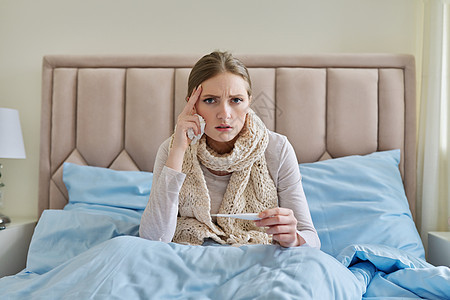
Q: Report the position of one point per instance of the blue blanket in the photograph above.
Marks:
(385, 272)
(134, 268)
(81, 253)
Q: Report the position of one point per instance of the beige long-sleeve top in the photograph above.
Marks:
(159, 219)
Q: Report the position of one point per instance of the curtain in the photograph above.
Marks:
(433, 181)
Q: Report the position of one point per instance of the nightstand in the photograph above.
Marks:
(14, 243)
(439, 248)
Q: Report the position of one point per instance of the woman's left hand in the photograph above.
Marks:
(282, 224)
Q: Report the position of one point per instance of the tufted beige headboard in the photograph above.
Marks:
(114, 111)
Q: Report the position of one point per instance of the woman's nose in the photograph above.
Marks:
(224, 111)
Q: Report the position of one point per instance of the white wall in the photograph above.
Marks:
(31, 29)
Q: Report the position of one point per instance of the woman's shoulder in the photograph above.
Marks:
(278, 146)
(165, 144)
(163, 150)
(279, 154)
(277, 141)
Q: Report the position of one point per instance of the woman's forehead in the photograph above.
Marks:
(225, 82)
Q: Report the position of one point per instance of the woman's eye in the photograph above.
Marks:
(237, 100)
(208, 100)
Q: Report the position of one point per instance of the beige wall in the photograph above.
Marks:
(31, 29)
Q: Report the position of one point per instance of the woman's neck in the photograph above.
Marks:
(219, 173)
(221, 147)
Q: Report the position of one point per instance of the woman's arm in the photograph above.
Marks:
(291, 224)
(181, 142)
(159, 219)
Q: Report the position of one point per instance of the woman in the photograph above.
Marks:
(237, 166)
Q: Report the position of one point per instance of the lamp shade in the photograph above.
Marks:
(11, 141)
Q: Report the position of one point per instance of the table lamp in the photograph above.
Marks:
(11, 144)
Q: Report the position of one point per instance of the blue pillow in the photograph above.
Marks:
(63, 234)
(103, 204)
(94, 185)
(360, 200)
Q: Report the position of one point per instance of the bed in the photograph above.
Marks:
(352, 121)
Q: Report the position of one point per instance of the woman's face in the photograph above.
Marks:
(223, 104)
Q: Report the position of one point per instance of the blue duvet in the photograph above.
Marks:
(93, 253)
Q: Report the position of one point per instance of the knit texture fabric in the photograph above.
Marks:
(250, 189)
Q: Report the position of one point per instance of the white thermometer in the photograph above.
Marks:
(248, 216)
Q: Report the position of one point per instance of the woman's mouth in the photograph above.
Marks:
(224, 127)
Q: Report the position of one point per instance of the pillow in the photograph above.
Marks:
(103, 204)
(360, 200)
(61, 235)
(95, 185)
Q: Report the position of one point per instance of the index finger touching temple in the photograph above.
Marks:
(193, 98)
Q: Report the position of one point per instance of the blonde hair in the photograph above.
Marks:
(215, 63)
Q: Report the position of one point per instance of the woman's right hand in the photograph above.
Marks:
(186, 119)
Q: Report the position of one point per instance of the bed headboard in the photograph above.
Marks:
(115, 111)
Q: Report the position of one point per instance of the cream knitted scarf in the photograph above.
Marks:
(250, 189)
